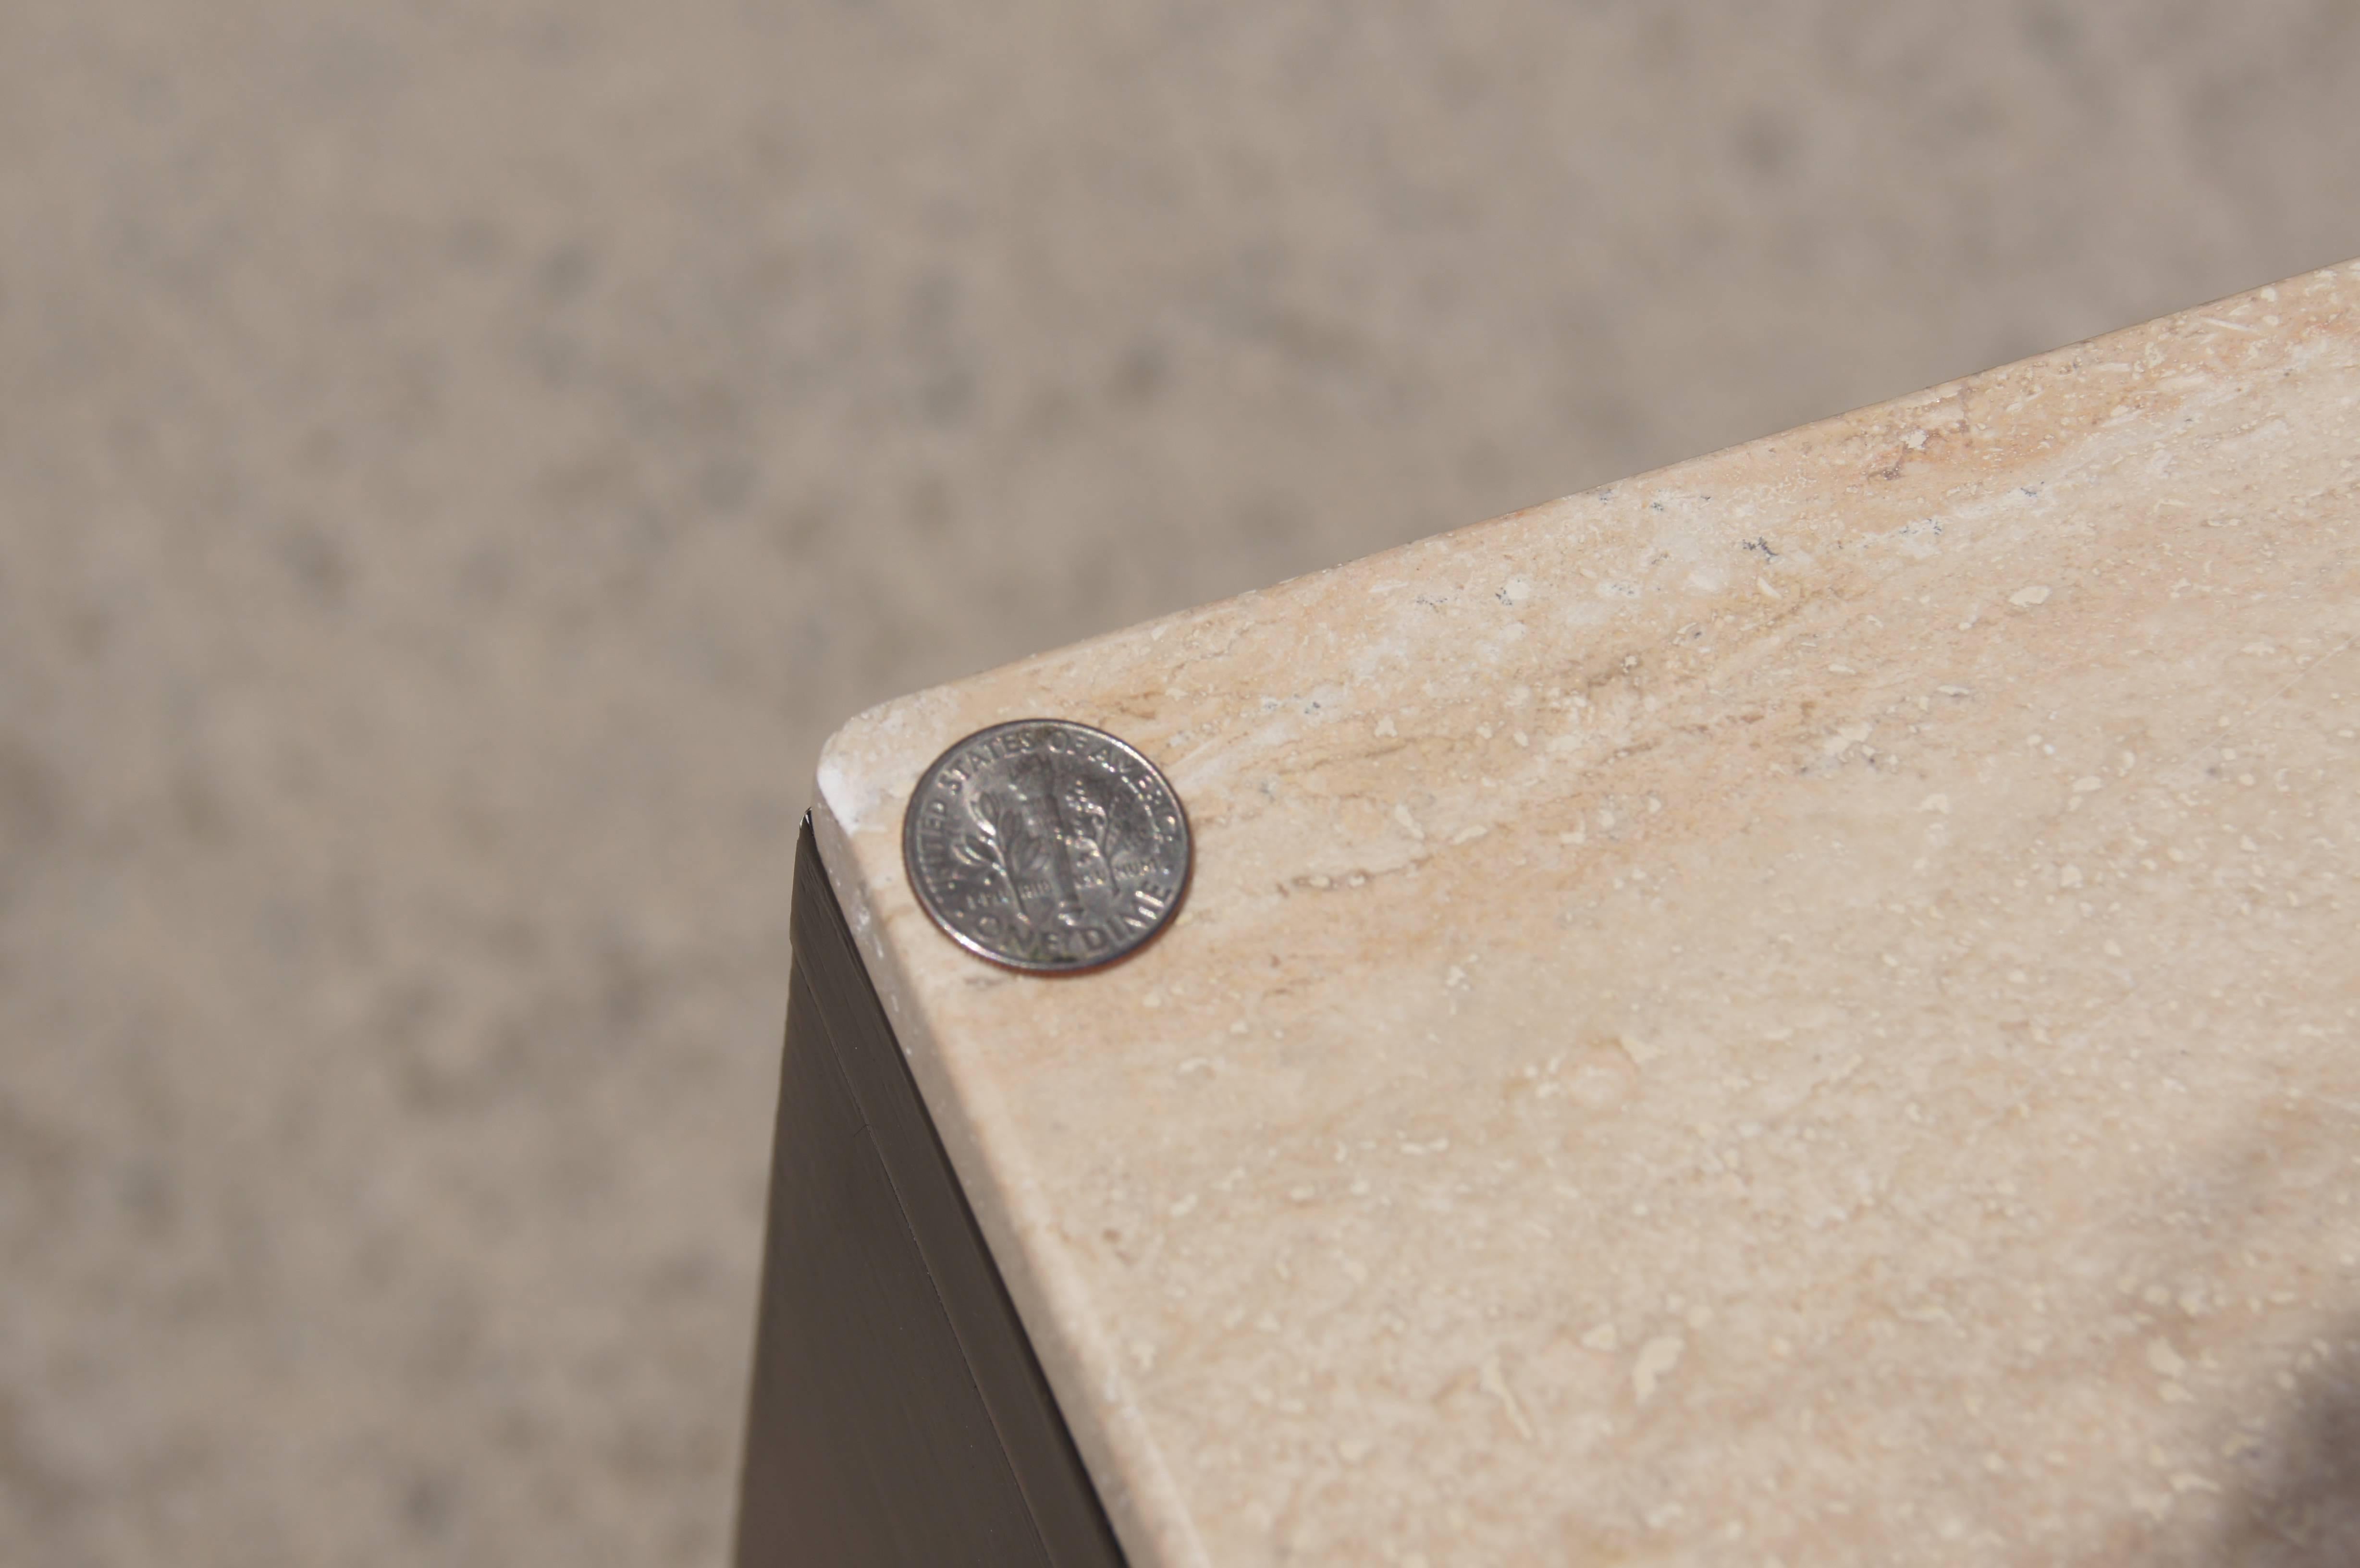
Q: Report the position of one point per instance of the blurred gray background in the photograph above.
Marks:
(457, 460)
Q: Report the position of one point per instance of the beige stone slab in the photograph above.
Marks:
(1799, 1008)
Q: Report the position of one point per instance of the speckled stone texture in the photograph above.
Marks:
(1800, 1007)
(457, 461)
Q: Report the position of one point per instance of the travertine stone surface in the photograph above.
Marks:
(1800, 1007)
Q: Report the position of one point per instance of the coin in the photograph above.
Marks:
(1047, 845)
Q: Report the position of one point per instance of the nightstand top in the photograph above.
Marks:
(1799, 1006)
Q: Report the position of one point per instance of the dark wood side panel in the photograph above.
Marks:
(898, 1418)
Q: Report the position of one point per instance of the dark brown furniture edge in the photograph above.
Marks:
(898, 1416)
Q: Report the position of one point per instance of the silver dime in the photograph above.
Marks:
(1047, 845)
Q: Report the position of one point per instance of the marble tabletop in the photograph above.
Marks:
(1801, 1007)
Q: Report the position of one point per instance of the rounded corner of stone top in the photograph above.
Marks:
(863, 761)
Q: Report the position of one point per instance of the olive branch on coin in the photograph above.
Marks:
(994, 839)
